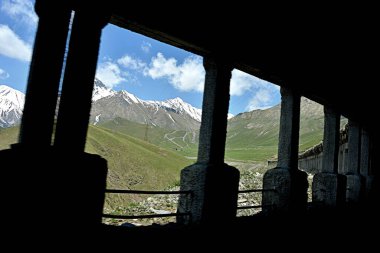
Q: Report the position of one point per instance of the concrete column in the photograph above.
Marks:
(340, 159)
(289, 129)
(213, 184)
(367, 177)
(45, 73)
(344, 154)
(289, 184)
(82, 177)
(364, 153)
(71, 186)
(75, 104)
(329, 187)
(352, 168)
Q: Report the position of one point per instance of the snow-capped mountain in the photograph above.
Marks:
(100, 90)
(180, 107)
(11, 106)
(171, 114)
(109, 104)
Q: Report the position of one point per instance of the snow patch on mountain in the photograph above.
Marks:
(11, 106)
(130, 98)
(180, 106)
(97, 118)
(101, 91)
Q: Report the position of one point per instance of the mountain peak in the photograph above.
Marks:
(130, 98)
(11, 106)
(100, 84)
(100, 90)
(182, 107)
(14, 96)
(176, 99)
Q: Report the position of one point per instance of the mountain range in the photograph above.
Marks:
(108, 104)
(170, 114)
(174, 124)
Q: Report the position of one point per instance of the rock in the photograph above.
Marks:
(159, 211)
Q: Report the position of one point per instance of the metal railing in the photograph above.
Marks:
(145, 216)
(253, 191)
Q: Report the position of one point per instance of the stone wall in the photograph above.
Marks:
(311, 159)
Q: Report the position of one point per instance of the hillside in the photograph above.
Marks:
(174, 124)
(251, 136)
(132, 163)
(8, 136)
(254, 135)
(182, 142)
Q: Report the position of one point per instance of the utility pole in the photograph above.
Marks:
(146, 131)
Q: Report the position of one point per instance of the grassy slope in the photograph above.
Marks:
(132, 163)
(8, 136)
(254, 135)
(155, 135)
(251, 136)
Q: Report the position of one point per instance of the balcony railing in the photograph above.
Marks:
(253, 191)
(113, 216)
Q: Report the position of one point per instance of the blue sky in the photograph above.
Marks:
(145, 67)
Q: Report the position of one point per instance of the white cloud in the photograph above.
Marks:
(11, 45)
(131, 63)
(146, 46)
(188, 76)
(20, 10)
(262, 99)
(110, 74)
(191, 75)
(264, 93)
(3, 74)
(161, 67)
(240, 83)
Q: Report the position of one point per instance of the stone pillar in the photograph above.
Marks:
(367, 177)
(354, 184)
(329, 187)
(75, 104)
(82, 177)
(45, 73)
(288, 184)
(54, 183)
(340, 159)
(213, 183)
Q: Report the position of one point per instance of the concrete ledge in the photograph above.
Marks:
(290, 190)
(214, 193)
(329, 190)
(46, 185)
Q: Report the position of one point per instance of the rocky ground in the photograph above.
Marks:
(251, 177)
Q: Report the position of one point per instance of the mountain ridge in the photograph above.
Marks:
(109, 104)
(11, 106)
